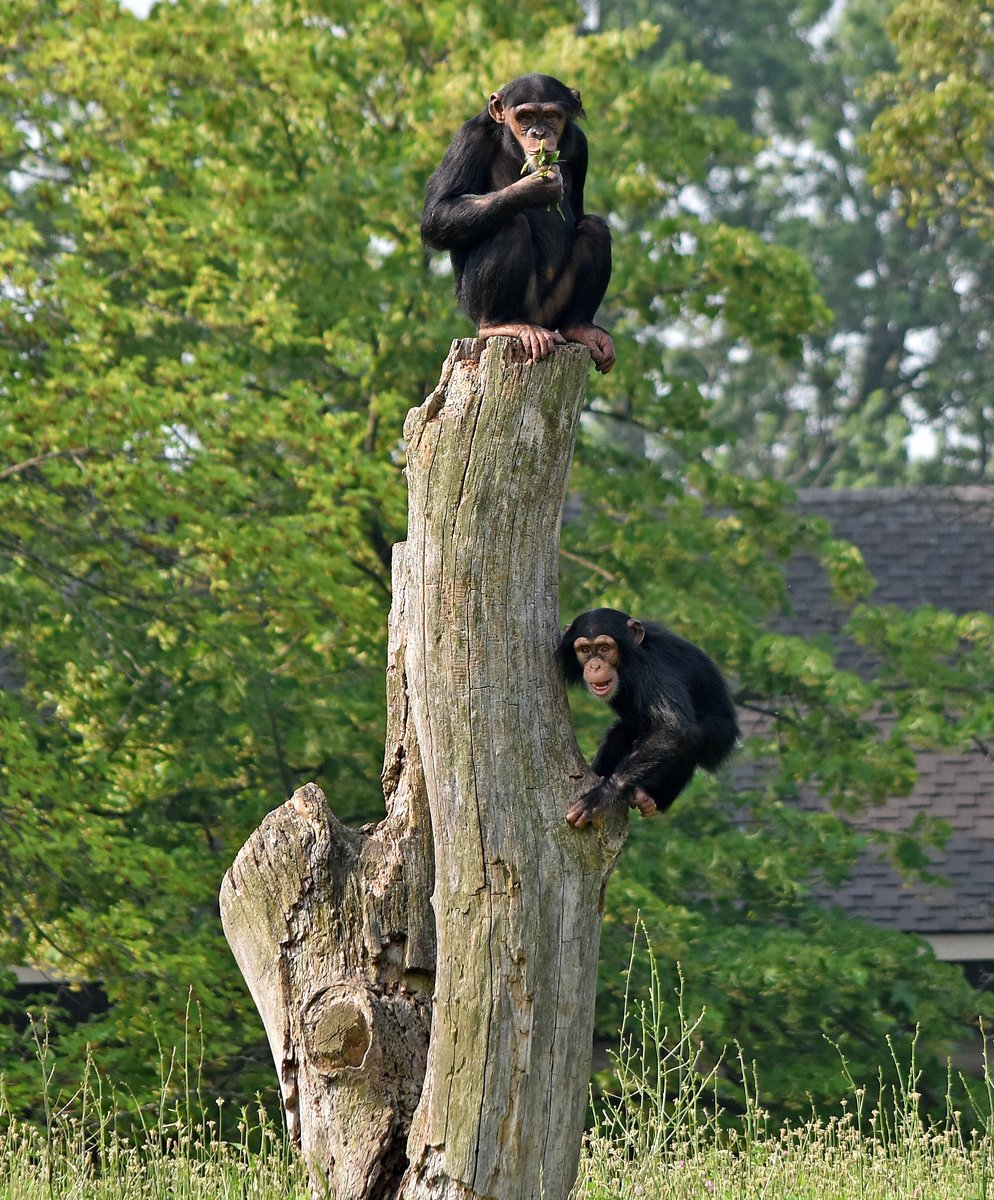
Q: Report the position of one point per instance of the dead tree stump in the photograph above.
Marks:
(333, 929)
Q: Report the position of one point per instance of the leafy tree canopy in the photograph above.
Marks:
(932, 140)
(215, 311)
(889, 390)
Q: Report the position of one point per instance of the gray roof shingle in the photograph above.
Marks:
(924, 546)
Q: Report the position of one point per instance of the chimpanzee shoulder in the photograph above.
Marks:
(465, 169)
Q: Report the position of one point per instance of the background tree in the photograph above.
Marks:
(930, 144)
(215, 311)
(932, 140)
(888, 391)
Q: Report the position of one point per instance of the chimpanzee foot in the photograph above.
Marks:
(598, 342)
(642, 801)
(538, 342)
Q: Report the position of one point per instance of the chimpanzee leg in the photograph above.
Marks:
(574, 298)
(664, 792)
(500, 275)
(577, 293)
(499, 290)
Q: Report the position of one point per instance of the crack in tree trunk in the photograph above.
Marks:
(333, 930)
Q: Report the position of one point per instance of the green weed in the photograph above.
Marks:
(661, 1132)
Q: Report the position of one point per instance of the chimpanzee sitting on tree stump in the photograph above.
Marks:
(506, 201)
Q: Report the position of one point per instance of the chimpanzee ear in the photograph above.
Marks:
(579, 103)
(496, 108)
(638, 630)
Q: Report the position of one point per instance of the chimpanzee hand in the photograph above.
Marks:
(543, 188)
(598, 342)
(592, 806)
(538, 342)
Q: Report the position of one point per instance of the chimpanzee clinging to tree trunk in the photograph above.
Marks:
(674, 711)
(506, 201)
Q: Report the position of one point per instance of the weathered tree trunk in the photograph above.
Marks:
(331, 928)
(333, 932)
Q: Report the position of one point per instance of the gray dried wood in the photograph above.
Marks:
(472, 908)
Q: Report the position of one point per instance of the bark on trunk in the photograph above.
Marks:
(332, 928)
(334, 934)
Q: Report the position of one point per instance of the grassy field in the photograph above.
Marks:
(628, 1155)
(661, 1134)
(817, 1161)
(658, 1134)
(894, 1158)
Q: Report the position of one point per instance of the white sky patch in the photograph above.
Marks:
(922, 347)
(848, 210)
(966, 283)
(694, 200)
(381, 247)
(822, 30)
(846, 139)
(182, 444)
(921, 445)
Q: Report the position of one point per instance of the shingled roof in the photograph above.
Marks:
(924, 546)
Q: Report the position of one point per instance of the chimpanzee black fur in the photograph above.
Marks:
(528, 261)
(673, 707)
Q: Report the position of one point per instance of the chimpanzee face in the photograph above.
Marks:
(600, 660)
(531, 123)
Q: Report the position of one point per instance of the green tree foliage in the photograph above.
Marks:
(890, 389)
(929, 146)
(762, 50)
(932, 142)
(214, 313)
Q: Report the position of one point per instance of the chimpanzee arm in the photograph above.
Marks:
(461, 205)
(661, 763)
(574, 154)
(616, 746)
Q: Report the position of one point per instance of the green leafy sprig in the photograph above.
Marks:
(541, 162)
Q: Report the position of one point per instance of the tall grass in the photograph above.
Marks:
(661, 1132)
(70, 1161)
(96, 1145)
